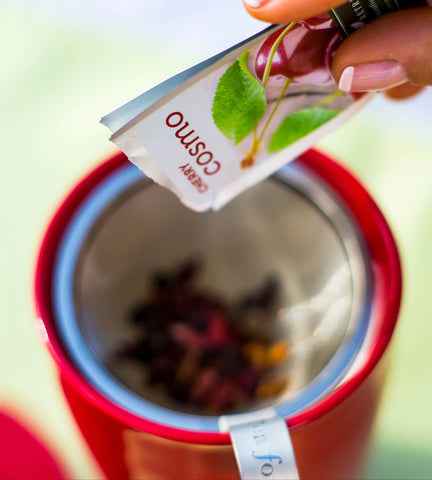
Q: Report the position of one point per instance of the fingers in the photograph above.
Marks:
(403, 91)
(394, 52)
(285, 11)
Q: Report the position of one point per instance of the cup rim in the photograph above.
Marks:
(386, 295)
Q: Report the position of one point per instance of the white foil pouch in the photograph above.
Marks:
(220, 127)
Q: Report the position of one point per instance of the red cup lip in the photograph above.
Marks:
(387, 294)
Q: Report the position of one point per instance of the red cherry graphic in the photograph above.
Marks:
(319, 22)
(305, 53)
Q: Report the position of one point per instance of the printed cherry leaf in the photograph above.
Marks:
(298, 125)
(239, 101)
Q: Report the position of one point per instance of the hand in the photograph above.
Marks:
(392, 53)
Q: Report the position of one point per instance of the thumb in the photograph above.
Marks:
(286, 11)
(392, 52)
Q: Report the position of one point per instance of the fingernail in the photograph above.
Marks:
(370, 77)
(255, 3)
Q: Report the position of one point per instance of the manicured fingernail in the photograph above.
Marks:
(370, 77)
(255, 3)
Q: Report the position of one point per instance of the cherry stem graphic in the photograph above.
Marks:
(329, 98)
(273, 52)
(248, 161)
(285, 87)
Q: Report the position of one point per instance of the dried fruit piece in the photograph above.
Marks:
(203, 352)
(271, 387)
(277, 353)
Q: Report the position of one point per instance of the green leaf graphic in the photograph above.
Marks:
(298, 125)
(239, 101)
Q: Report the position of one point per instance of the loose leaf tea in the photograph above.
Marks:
(204, 352)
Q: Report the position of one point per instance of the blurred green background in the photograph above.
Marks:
(66, 64)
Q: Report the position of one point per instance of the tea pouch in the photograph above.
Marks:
(227, 123)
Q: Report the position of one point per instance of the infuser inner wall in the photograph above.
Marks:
(130, 228)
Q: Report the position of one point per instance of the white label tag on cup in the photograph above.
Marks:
(226, 124)
(263, 448)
